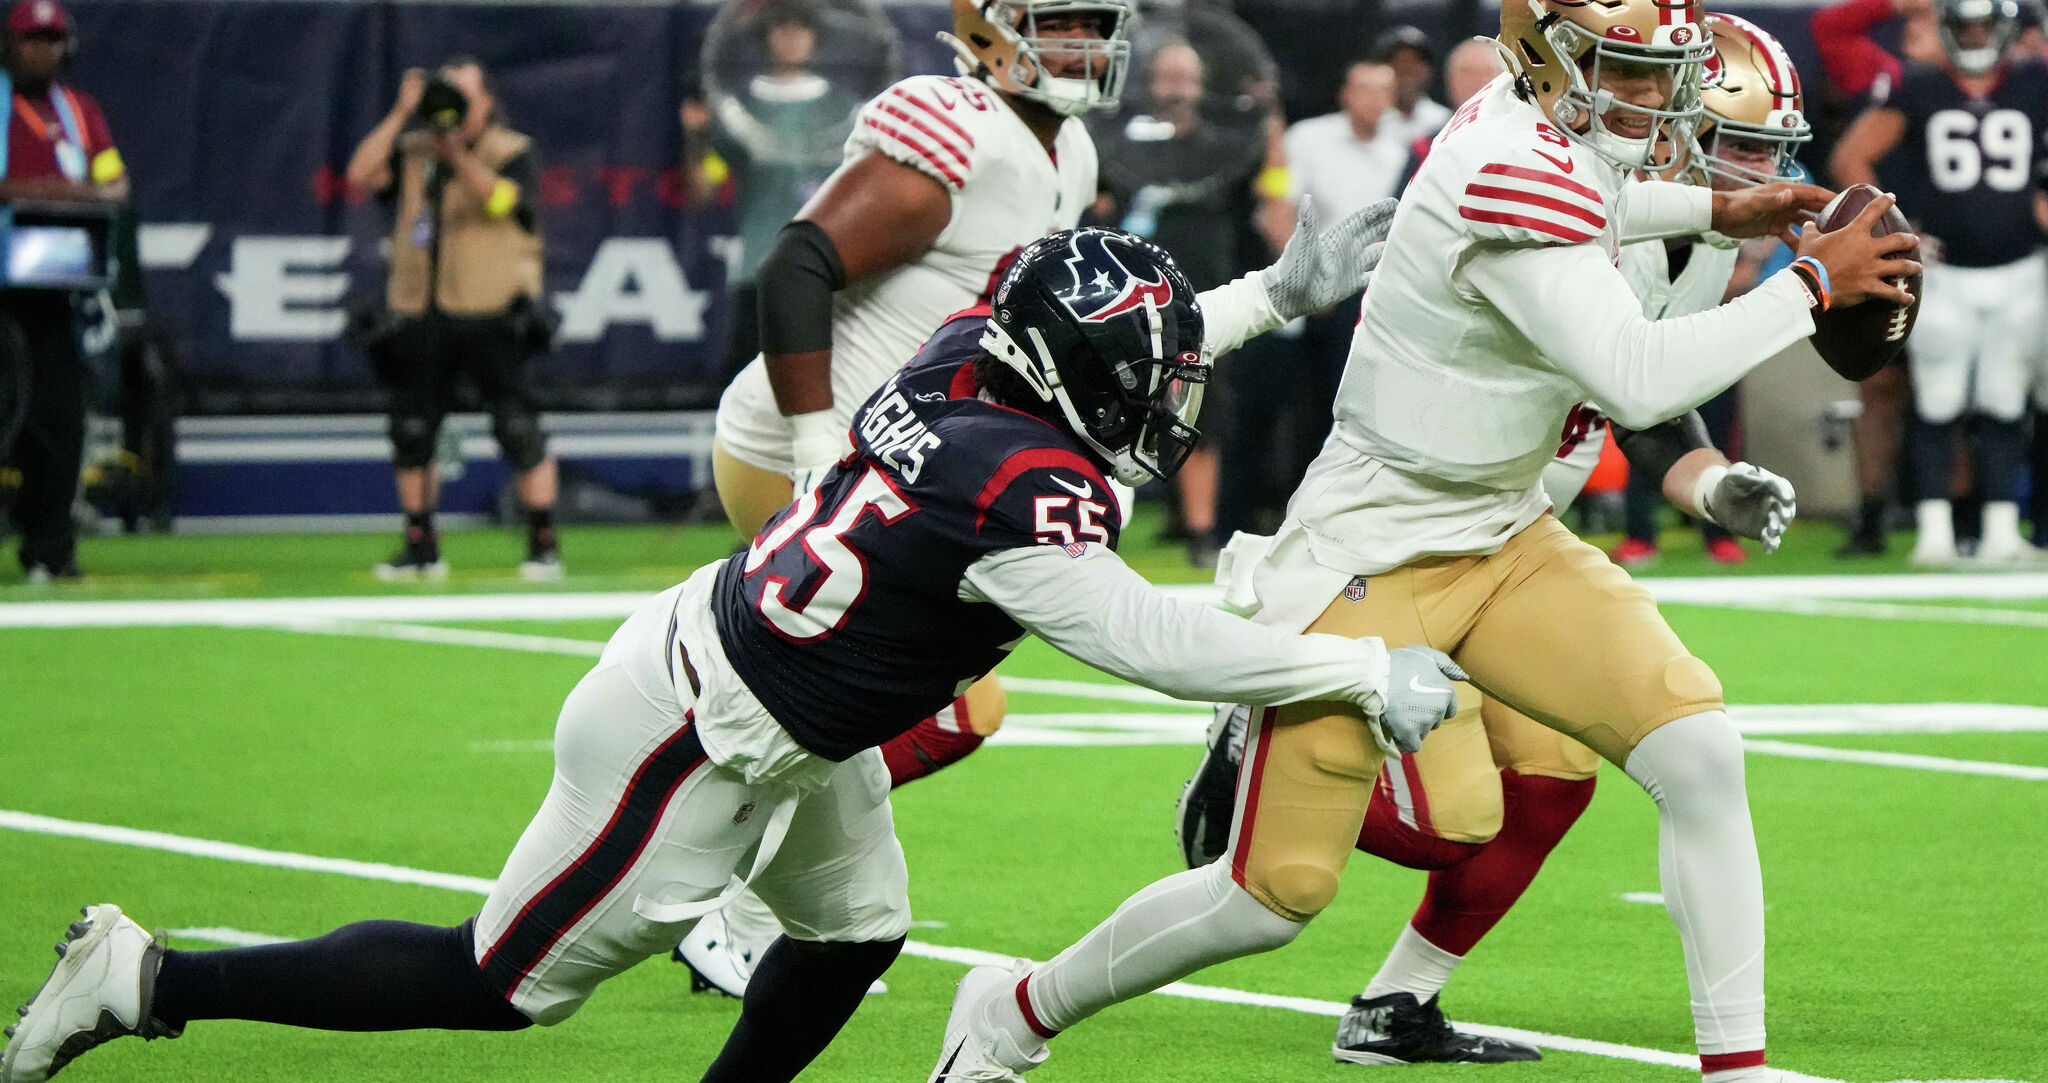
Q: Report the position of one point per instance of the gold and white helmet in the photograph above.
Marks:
(1751, 92)
(998, 40)
(1555, 49)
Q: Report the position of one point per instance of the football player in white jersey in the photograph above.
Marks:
(1496, 309)
(945, 179)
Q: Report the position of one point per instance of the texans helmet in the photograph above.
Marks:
(1104, 325)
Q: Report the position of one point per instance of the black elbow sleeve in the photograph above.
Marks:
(1655, 450)
(797, 280)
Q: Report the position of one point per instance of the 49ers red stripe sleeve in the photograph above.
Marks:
(1523, 204)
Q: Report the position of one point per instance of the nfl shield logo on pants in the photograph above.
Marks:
(1354, 591)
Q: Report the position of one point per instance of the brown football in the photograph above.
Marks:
(1860, 339)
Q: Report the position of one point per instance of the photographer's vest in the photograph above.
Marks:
(484, 263)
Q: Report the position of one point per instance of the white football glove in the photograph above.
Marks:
(1419, 697)
(1747, 500)
(1320, 267)
(818, 444)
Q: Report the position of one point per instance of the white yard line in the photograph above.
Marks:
(1896, 759)
(1931, 614)
(363, 870)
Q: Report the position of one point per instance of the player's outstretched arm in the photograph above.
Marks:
(1320, 266)
(1094, 607)
(1871, 137)
(1744, 499)
(873, 215)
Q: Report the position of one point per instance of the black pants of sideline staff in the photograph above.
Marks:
(50, 445)
(427, 357)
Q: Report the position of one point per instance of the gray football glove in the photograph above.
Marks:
(1320, 267)
(1753, 502)
(1419, 697)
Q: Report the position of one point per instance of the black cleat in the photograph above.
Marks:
(1396, 1029)
(418, 558)
(1202, 820)
(1862, 543)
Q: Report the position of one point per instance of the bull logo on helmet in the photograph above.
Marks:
(1103, 286)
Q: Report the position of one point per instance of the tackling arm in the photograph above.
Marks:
(1745, 499)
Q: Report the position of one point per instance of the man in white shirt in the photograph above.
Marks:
(1407, 50)
(1351, 157)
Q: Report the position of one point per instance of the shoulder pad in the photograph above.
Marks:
(932, 123)
(1541, 188)
(1045, 495)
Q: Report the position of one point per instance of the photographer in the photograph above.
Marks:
(58, 150)
(464, 296)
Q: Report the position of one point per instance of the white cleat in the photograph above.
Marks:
(974, 1051)
(101, 988)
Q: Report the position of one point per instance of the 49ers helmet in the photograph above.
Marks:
(998, 40)
(1750, 92)
(1556, 48)
(1104, 325)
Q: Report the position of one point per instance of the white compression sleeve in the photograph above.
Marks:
(1235, 312)
(1094, 607)
(1640, 371)
(1707, 862)
(1651, 210)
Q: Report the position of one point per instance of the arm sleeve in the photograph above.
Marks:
(1851, 59)
(1652, 210)
(1576, 309)
(1095, 608)
(926, 124)
(1655, 450)
(797, 279)
(1235, 312)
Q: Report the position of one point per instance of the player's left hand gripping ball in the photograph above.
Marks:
(1320, 267)
(1754, 503)
(1419, 697)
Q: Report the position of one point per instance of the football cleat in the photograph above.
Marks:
(975, 1052)
(102, 988)
(1201, 822)
(1398, 1029)
(418, 558)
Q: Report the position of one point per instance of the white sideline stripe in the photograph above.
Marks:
(1647, 898)
(1129, 693)
(455, 637)
(227, 851)
(1703, 590)
(1933, 614)
(232, 937)
(1896, 759)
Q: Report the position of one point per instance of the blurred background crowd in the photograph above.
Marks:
(240, 374)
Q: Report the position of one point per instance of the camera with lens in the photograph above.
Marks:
(442, 107)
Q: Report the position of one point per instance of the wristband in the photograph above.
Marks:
(818, 438)
(1815, 276)
(1704, 487)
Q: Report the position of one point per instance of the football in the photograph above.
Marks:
(1860, 339)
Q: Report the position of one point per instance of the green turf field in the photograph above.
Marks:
(1907, 899)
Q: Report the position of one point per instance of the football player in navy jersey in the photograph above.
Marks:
(728, 735)
(1963, 139)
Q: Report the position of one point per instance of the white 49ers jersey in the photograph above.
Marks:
(1497, 308)
(1006, 192)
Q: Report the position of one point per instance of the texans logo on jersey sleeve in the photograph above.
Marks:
(1103, 287)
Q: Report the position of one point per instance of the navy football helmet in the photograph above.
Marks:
(1104, 325)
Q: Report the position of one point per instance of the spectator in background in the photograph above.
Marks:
(59, 150)
(776, 141)
(464, 289)
(1471, 65)
(1856, 65)
(1407, 50)
(1185, 175)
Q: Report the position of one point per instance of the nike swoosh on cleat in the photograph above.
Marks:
(1564, 164)
(947, 1067)
(1083, 490)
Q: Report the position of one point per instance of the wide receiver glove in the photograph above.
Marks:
(1747, 500)
(1419, 697)
(1320, 267)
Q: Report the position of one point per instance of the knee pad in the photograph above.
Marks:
(1297, 891)
(520, 439)
(412, 441)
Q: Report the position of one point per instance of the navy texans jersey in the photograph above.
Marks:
(844, 617)
(1965, 168)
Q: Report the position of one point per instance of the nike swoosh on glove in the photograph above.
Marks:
(1320, 267)
(1753, 502)
(1420, 697)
